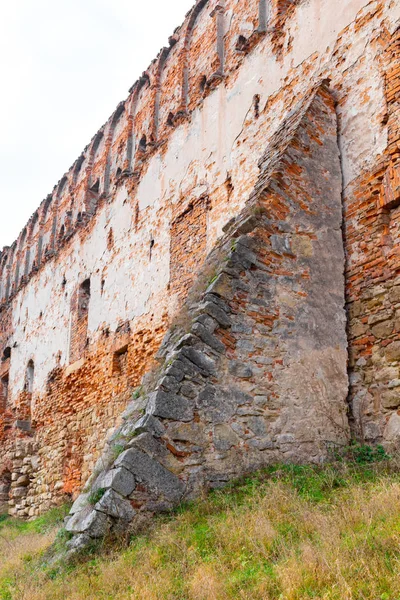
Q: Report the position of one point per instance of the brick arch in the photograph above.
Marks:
(91, 200)
(109, 142)
(19, 257)
(27, 257)
(157, 98)
(56, 216)
(218, 64)
(43, 220)
(135, 95)
(76, 169)
(201, 4)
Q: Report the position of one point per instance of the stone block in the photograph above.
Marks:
(222, 287)
(383, 330)
(224, 438)
(90, 521)
(153, 474)
(392, 351)
(213, 310)
(114, 505)
(80, 503)
(391, 398)
(204, 363)
(186, 432)
(240, 370)
(392, 429)
(170, 406)
(208, 338)
(120, 480)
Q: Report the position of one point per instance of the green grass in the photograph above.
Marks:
(285, 533)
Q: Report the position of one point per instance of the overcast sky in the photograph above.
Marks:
(65, 65)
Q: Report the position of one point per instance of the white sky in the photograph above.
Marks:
(64, 66)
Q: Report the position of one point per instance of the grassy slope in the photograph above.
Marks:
(285, 533)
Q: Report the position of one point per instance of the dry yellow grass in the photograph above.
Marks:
(297, 533)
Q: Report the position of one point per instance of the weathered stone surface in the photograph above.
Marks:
(170, 406)
(89, 521)
(120, 480)
(200, 360)
(150, 472)
(392, 352)
(207, 338)
(80, 503)
(240, 370)
(392, 430)
(114, 505)
(224, 438)
(391, 399)
(217, 313)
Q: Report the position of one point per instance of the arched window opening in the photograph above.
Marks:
(96, 187)
(188, 38)
(79, 321)
(30, 375)
(242, 44)
(84, 298)
(143, 144)
(77, 169)
(170, 120)
(4, 387)
(6, 353)
(120, 361)
(203, 83)
(152, 243)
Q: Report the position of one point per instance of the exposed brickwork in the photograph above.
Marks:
(149, 198)
(230, 395)
(188, 245)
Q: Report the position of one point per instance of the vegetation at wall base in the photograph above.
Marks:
(288, 532)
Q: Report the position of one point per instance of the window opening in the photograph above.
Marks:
(120, 361)
(30, 374)
(4, 387)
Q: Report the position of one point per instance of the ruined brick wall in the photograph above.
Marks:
(259, 373)
(183, 151)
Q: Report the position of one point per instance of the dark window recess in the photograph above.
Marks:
(256, 101)
(152, 242)
(120, 361)
(79, 324)
(83, 299)
(143, 144)
(96, 187)
(6, 353)
(4, 384)
(30, 375)
(242, 44)
(203, 83)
